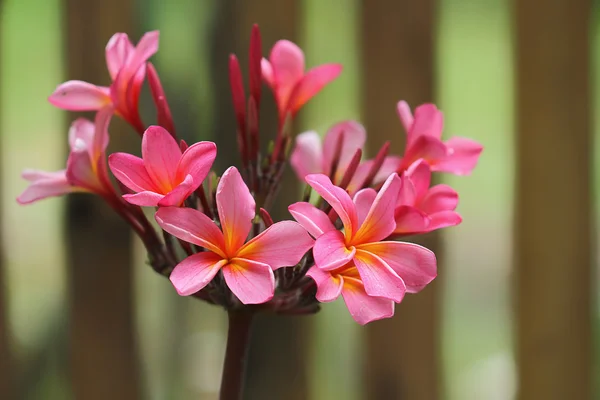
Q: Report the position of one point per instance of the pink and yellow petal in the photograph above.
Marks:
(338, 199)
(195, 272)
(378, 278)
(315, 221)
(329, 286)
(250, 281)
(379, 222)
(283, 244)
(192, 226)
(161, 155)
(236, 209)
(131, 172)
(330, 251)
(415, 264)
(362, 307)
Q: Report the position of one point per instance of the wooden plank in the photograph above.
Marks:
(554, 219)
(276, 366)
(103, 351)
(402, 354)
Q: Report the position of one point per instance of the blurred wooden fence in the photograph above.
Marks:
(553, 226)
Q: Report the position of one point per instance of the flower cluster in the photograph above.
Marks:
(218, 240)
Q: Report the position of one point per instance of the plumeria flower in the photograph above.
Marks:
(127, 67)
(164, 176)
(311, 155)
(356, 262)
(284, 72)
(422, 209)
(86, 165)
(457, 155)
(247, 266)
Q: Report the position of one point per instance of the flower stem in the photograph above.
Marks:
(234, 368)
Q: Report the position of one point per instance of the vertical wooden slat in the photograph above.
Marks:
(7, 368)
(402, 354)
(276, 367)
(103, 351)
(553, 232)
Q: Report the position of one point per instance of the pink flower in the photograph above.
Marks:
(127, 68)
(247, 266)
(163, 176)
(370, 273)
(424, 132)
(421, 208)
(86, 167)
(311, 157)
(293, 87)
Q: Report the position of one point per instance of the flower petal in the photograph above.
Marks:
(428, 121)
(100, 142)
(411, 220)
(315, 221)
(444, 219)
(428, 148)
(81, 134)
(330, 251)
(337, 198)
(236, 208)
(363, 200)
(177, 196)
(161, 155)
(311, 84)
(379, 222)
(419, 174)
(197, 161)
(267, 73)
(462, 158)
(354, 137)
(43, 185)
(362, 307)
(283, 244)
(191, 226)
(144, 199)
(389, 166)
(378, 277)
(405, 115)
(287, 62)
(329, 286)
(117, 50)
(80, 96)
(131, 172)
(252, 282)
(439, 198)
(195, 272)
(415, 264)
(81, 172)
(307, 157)
(146, 48)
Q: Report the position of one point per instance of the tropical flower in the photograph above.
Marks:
(127, 68)
(422, 209)
(284, 72)
(457, 155)
(164, 176)
(86, 166)
(357, 262)
(247, 267)
(311, 155)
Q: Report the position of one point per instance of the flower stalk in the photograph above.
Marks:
(236, 354)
